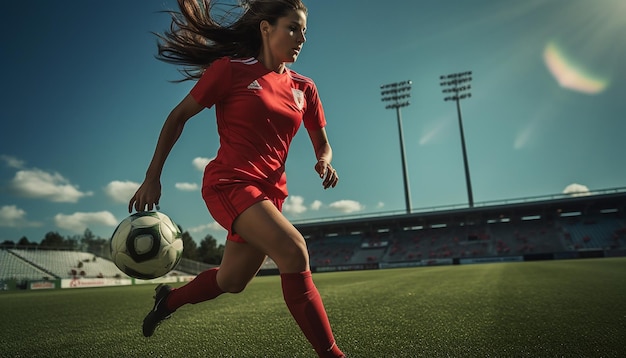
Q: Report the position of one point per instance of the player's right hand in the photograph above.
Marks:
(146, 197)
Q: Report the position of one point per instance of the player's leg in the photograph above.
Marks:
(240, 264)
(263, 226)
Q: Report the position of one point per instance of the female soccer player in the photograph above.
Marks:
(260, 104)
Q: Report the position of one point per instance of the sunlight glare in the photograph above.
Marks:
(569, 75)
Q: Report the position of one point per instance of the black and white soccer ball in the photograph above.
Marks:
(146, 245)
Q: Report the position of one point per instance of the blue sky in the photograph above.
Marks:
(83, 101)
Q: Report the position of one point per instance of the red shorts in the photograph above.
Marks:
(226, 201)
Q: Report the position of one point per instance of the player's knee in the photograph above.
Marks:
(293, 258)
(233, 286)
(232, 282)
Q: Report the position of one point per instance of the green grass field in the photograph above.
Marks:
(571, 308)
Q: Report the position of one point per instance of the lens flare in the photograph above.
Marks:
(569, 75)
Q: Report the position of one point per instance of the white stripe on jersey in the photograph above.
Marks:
(298, 77)
(247, 61)
(295, 76)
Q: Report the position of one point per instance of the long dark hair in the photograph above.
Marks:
(197, 37)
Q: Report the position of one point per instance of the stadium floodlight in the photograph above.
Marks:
(397, 96)
(456, 87)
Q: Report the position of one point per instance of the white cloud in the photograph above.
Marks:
(575, 189)
(214, 229)
(346, 206)
(200, 162)
(316, 205)
(12, 216)
(214, 226)
(78, 221)
(294, 205)
(121, 191)
(187, 186)
(9, 214)
(380, 205)
(36, 183)
(12, 161)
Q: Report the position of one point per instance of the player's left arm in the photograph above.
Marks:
(324, 154)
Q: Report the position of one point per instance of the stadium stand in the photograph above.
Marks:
(187, 266)
(372, 248)
(525, 236)
(63, 264)
(332, 250)
(269, 264)
(367, 255)
(594, 232)
(42, 264)
(531, 229)
(15, 268)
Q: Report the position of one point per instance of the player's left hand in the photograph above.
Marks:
(327, 173)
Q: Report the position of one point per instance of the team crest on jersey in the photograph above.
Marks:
(298, 97)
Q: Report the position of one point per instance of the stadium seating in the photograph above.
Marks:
(367, 255)
(595, 232)
(439, 242)
(525, 236)
(14, 268)
(333, 250)
(65, 264)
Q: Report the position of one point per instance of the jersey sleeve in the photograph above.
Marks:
(314, 115)
(214, 84)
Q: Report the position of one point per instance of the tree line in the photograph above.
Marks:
(208, 251)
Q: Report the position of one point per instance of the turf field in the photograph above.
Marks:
(532, 309)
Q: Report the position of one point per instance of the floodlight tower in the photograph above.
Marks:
(397, 95)
(456, 87)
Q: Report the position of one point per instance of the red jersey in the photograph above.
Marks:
(258, 113)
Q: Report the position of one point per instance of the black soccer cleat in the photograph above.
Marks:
(159, 311)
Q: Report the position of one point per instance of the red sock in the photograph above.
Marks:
(306, 307)
(202, 288)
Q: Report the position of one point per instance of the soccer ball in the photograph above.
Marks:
(146, 245)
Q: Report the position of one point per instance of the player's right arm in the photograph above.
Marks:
(149, 192)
